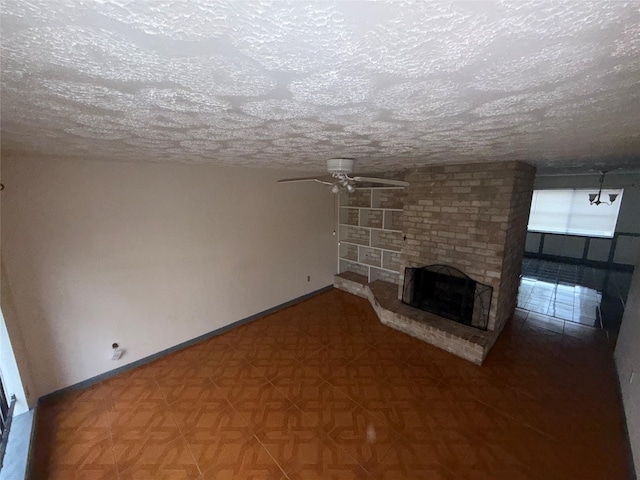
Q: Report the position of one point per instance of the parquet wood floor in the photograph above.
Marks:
(322, 390)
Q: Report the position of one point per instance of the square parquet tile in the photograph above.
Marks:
(323, 390)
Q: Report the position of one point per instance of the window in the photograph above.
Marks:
(568, 211)
(6, 410)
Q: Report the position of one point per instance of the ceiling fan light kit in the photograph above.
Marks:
(340, 166)
(339, 179)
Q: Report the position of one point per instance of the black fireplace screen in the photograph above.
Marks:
(449, 293)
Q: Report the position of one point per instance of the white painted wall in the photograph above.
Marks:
(151, 255)
(14, 362)
(628, 219)
(627, 357)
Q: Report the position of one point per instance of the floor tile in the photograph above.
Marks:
(183, 389)
(405, 460)
(364, 437)
(84, 457)
(140, 422)
(326, 405)
(155, 459)
(246, 460)
(293, 380)
(224, 426)
(308, 454)
(264, 408)
(323, 390)
(80, 423)
(575, 293)
(204, 414)
(127, 391)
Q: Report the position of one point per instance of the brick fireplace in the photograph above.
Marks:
(472, 217)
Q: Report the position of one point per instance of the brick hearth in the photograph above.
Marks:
(465, 342)
(472, 217)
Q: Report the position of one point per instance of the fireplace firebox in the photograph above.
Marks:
(447, 292)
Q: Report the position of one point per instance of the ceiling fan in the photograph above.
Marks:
(339, 170)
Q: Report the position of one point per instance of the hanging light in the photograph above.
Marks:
(594, 198)
(344, 184)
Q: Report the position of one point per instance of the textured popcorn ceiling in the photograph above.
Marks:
(393, 84)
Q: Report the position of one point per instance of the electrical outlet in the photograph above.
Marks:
(308, 278)
(117, 351)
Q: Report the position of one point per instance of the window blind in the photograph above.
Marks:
(568, 211)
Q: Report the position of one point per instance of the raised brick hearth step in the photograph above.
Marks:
(461, 340)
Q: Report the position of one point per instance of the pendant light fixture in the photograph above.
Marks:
(594, 198)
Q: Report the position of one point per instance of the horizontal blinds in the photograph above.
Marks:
(568, 211)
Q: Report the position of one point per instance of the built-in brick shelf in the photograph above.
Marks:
(461, 340)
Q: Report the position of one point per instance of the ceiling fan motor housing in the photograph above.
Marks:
(340, 166)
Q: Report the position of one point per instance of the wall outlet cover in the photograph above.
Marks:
(117, 353)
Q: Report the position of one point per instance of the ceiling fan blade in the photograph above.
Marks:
(383, 181)
(304, 179)
(300, 179)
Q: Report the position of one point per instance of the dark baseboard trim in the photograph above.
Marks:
(580, 261)
(117, 371)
